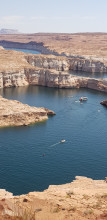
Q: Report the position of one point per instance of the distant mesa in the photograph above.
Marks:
(9, 31)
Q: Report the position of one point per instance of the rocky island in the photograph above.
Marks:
(14, 113)
(82, 199)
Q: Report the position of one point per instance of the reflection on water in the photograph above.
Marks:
(89, 74)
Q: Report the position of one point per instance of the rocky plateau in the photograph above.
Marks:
(82, 45)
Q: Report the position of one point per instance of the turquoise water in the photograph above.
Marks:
(24, 50)
(84, 126)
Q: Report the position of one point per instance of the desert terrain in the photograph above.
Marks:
(92, 45)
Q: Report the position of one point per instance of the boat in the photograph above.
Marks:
(83, 98)
(62, 141)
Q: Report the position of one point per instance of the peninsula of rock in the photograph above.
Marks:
(14, 113)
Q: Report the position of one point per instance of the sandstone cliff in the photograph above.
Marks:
(19, 69)
(14, 113)
(61, 63)
(81, 199)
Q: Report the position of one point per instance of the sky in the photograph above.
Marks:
(56, 16)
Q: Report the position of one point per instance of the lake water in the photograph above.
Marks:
(89, 74)
(84, 126)
(24, 50)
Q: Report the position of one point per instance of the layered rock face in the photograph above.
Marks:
(82, 199)
(14, 113)
(30, 46)
(49, 78)
(66, 64)
(19, 69)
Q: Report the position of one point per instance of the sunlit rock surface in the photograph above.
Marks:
(14, 113)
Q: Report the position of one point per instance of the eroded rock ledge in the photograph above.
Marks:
(19, 69)
(82, 199)
(14, 113)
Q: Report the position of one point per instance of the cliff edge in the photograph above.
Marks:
(82, 199)
(19, 69)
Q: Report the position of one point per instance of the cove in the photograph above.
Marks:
(84, 127)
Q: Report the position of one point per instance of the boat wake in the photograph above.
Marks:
(77, 101)
(53, 145)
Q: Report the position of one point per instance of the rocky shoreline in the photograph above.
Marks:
(82, 199)
(14, 113)
(20, 69)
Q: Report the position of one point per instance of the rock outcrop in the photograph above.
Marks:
(14, 113)
(82, 199)
(104, 103)
(19, 69)
(65, 64)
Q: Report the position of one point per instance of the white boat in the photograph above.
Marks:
(62, 141)
(83, 98)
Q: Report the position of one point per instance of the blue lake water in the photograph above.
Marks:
(24, 50)
(84, 126)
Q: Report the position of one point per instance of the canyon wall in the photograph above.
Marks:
(20, 69)
(50, 78)
(32, 45)
(69, 62)
(66, 64)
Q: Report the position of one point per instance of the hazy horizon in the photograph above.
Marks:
(58, 16)
(53, 32)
